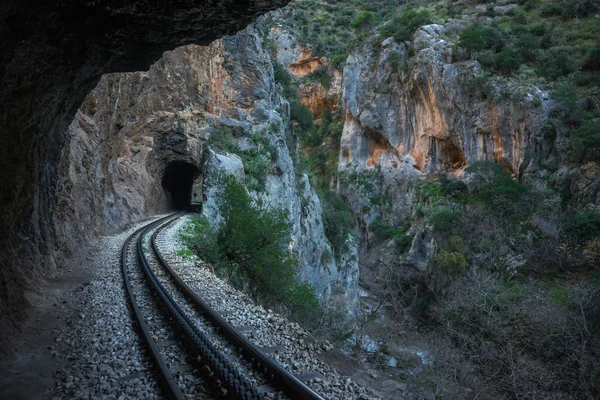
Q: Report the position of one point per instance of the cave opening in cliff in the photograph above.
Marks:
(178, 183)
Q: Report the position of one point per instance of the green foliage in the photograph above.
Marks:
(253, 241)
(256, 168)
(559, 296)
(338, 60)
(555, 63)
(321, 145)
(452, 262)
(473, 39)
(395, 59)
(452, 186)
(320, 75)
(492, 184)
(443, 220)
(281, 75)
(403, 26)
(583, 226)
(566, 95)
(301, 114)
(338, 221)
(222, 140)
(202, 239)
(586, 142)
(508, 60)
(363, 19)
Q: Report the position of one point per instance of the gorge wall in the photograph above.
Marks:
(133, 126)
(53, 55)
(412, 112)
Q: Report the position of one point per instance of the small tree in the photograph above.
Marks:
(363, 20)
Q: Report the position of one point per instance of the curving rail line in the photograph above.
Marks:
(235, 380)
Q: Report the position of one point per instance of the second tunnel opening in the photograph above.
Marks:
(178, 183)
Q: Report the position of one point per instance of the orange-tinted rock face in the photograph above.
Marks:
(317, 98)
(401, 125)
(307, 63)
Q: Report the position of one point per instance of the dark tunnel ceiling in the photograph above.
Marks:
(177, 181)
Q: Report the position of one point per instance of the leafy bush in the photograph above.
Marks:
(338, 61)
(451, 186)
(222, 139)
(586, 141)
(403, 26)
(472, 39)
(555, 63)
(583, 226)
(492, 184)
(202, 239)
(256, 168)
(338, 221)
(508, 60)
(253, 241)
(363, 19)
(322, 76)
(443, 220)
(381, 230)
(301, 114)
(395, 59)
(452, 262)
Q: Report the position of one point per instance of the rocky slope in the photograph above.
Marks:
(133, 127)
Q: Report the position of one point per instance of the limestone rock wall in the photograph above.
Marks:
(132, 126)
(408, 115)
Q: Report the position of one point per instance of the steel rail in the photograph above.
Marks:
(220, 364)
(282, 378)
(169, 383)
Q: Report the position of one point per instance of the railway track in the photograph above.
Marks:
(198, 353)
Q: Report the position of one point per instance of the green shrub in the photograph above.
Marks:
(202, 239)
(322, 76)
(443, 220)
(301, 114)
(527, 44)
(338, 221)
(253, 241)
(381, 230)
(256, 168)
(452, 263)
(493, 185)
(472, 40)
(338, 61)
(583, 226)
(395, 59)
(508, 60)
(586, 142)
(222, 139)
(555, 63)
(363, 19)
(454, 187)
(403, 26)
(567, 96)
(281, 75)
(592, 61)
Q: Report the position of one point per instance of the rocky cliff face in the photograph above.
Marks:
(134, 127)
(53, 55)
(299, 62)
(408, 115)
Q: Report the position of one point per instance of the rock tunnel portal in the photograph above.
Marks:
(178, 183)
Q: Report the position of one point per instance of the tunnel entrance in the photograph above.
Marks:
(178, 183)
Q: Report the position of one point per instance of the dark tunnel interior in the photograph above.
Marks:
(177, 182)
